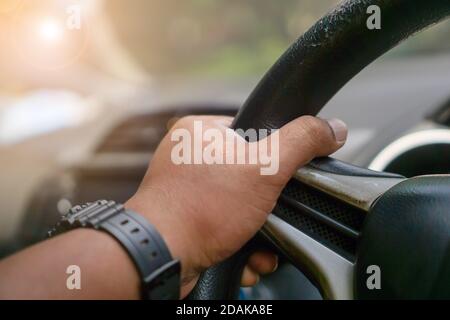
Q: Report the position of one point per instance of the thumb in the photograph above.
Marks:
(306, 138)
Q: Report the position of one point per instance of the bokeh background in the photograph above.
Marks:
(64, 90)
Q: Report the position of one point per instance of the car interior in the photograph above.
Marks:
(383, 199)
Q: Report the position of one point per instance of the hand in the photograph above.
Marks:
(208, 212)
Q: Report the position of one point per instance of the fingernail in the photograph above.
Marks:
(339, 129)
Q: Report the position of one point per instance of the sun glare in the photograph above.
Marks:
(50, 30)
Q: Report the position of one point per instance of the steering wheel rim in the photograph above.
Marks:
(303, 80)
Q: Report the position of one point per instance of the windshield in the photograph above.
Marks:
(64, 59)
(165, 37)
(227, 37)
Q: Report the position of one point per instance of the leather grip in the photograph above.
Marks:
(222, 281)
(331, 53)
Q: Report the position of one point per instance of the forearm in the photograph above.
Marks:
(39, 272)
(107, 271)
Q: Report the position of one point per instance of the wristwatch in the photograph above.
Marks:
(160, 273)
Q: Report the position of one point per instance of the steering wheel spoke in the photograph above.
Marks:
(317, 222)
(330, 271)
(353, 185)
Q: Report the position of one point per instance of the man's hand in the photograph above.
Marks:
(205, 213)
(208, 212)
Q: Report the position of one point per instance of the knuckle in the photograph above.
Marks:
(313, 133)
(184, 122)
(312, 126)
(318, 136)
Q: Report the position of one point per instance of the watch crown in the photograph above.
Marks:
(75, 209)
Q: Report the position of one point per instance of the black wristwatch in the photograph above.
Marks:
(160, 273)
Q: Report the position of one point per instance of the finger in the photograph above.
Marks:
(306, 138)
(187, 121)
(224, 122)
(263, 262)
(249, 277)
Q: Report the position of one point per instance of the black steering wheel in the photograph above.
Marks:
(336, 222)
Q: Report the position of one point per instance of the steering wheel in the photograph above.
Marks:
(340, 224)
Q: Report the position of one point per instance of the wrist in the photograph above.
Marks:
(175, 234)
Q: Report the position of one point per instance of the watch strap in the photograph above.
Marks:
(160, 274)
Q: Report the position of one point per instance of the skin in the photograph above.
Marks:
(205, 213)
